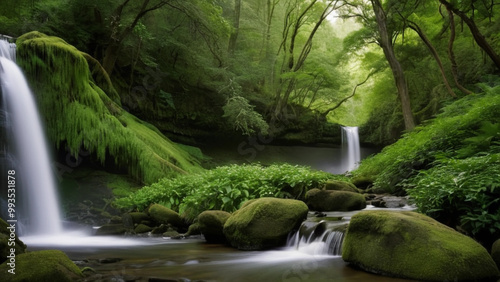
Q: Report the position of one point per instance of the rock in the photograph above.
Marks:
(194, 229)
(111, 229)
(42, 266)
(414, 246)
(172, 234)
(331, 200)
(161, 229)
(142, 228)
(362, 182)
(495, 252)
(162, 214)
(338, 185)
(379, 203)
(211, 224)
(8, 241)
(264, 223)
(139, 217)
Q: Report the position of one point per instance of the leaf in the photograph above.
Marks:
(226, 200)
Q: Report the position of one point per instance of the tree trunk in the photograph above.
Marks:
(434, 53)
(236, 25)
(454, 67)
(397, 69)
(478, 36)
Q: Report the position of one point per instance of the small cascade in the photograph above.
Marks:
(318, 238)
(37, 207)
(350, 147)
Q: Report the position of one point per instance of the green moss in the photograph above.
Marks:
(332, 200)
(165, 215)
(20, 247)
(79, 114)
(211, 224)
(414, 246)
(42, 266)
(264, 223)
(340, 186)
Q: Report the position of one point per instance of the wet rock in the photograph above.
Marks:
(331, 200)
(264, 223)
(42, 266)
(338, 185)
(162, 214)
(194, 229)
(379, 203)
(111, 229)
(161, 229)
(172, 234)
(211, 224)
(414, 246)
(142, 228)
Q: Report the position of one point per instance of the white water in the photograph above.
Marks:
(350, 144)
(317, 238)
(35, 186)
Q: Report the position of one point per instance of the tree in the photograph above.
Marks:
(385, 41)
(476, 33)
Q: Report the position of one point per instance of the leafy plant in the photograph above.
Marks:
(226, 188)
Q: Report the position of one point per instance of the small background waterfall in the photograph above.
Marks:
(351, 155)
(25, 151)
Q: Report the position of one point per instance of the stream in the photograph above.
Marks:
(164, 259)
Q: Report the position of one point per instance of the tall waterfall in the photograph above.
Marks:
(350, 147)
(37, 207)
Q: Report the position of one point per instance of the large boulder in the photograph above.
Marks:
(332, 200)
(211, 224)
(414, 246)
(162, 214)
(9, 241)
(42, 266)
(264, 223)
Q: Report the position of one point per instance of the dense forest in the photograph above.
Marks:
(421, 72)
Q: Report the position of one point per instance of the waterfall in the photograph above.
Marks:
(350, 148)
(317, 238)
(37, 207)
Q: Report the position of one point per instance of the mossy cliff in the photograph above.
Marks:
(80, 115)
(414, 246)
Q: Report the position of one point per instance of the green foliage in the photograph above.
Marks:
(226, 188)
(459, 131)
(461, 191)
(79, 114)
(243, 117)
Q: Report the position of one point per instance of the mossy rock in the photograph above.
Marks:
(164, 215)
(6, 244)
(264, 223)
(42, 266)
(331, 200)
(77, 112)
(414, 246)
(194, 229)
(142, 228)
(338, 185)
(362, 182)
(111, 229)
(211, 224)
(495, 252)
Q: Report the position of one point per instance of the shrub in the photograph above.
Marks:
(226, 188)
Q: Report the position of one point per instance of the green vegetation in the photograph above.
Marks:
(79, 115)
(226, 188)
(449, 166)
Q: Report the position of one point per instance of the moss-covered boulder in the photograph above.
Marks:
(414, 246)
(331, 200)
(142, 228)
(77, 112)
(164, 215)
(194, 229)
(42, 266)
(339, 185)
(9, 241)
(495, 252)
(211, 224)
(264, 223)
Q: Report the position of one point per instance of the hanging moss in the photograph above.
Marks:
(79, 113)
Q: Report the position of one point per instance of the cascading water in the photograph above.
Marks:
(318, 238)
(350, 147)
(35, 186)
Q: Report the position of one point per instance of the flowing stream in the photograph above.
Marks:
(37, 207)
